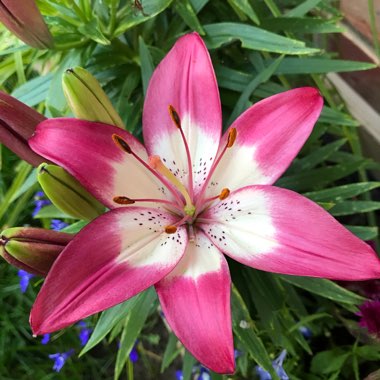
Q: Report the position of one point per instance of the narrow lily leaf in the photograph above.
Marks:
(187, 13)
(171, 352)
(109, 319)
(75, 227)
(93, 30)
(130, 16)
(242, 326)
(253, 38)
(52, 212)
(28, 184)
(188, 364)
(319, 177)
(292, 65)
(134, 324)
(318, 156)
(246, 8)
(335, 117)
(303, 8)
(198, 4)
(342, 192)
(354, 207)
(301, 25)
(364, 232)
(324, 288)
(147, 66)
(261, 77)
(34, 91)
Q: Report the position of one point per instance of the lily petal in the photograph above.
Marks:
(280, 231)
(184, 79)
(269, 136)
(195, 298)
(87, 151)
(115, 257)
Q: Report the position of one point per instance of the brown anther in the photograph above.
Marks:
(224, 194)
(170, 229)
(121, 143)
(231, 137)
(175, 117)
(123, 200)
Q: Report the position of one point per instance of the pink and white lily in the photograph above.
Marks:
(185, 199)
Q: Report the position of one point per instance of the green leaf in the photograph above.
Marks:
(75, 227)
(303, 8)
(318, 156)
(93, 31)
(170, 353)
(329, 361)
(330, 116)
(198, 4)
(354, 207)
(188, 364)
(109, 319)
(245, 7)
(261, 77)
(129, 16)
(27, 184)
(34, 91)
(291, 65)
(187, 13)
(301, 25)
(324, 288)
(51, 211)
(339, 193)
(243, 329)
(134, 324)
(252, 38)
(364, 232)
(147, 66)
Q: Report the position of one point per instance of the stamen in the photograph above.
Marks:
(224, 194)
(170, 229)
(177, 121)
(232, 133)
(121, 143)
(156, 163)
(175, 117)
(124, 146)
(122, 200)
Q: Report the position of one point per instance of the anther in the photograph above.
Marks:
(224, 194)
(121, 143)
(123, 200)
(175, 117)
(231, 137)
(170, 229)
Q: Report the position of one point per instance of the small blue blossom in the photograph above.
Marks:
(204, 374)
(134, 355)
(306, 332)
(178, 374)
(60, 359)
(39, 202)
(45, 339)
(84, 333)
(57, 224)
(277, 366)
(24, 279)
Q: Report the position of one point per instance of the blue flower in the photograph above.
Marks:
(306, 332)
(134, 355)
(57, 224)
(178, 374)
(39, 202)
(60, 359)
(277, 366)
(24, 279)
(45, 339)
(84, 333)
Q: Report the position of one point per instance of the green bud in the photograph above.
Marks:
(32, 249)
(87, 99)
(67, 193)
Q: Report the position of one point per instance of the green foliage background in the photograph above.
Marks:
(259, 48)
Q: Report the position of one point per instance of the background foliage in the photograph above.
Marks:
(258, 48)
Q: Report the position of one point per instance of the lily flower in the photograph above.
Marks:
(185, 199)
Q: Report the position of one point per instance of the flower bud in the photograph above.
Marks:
(67, 193)
(17, 124)
(32, 249)
(24, 20)
(87, 99)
